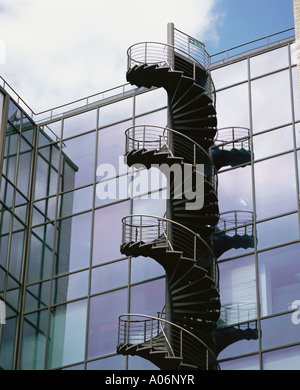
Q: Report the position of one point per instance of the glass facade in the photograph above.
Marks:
(65, 189)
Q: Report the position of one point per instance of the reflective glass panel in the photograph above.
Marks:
(233, 107)
(278, 331)
(271, 101)
(296, 93)
(277, 231)
(67, 334)
(283, 359)
(148, 298)
(37, 296)
(150, 101)
(143, 268)
(270, 61)
(80, 123)
(78, 161)
(115, 112)
(104, 312)
(230, 74)
(8, 339)
(34, 341)
(158, 118)
(111, 148)
(108, 232)
(232, 196)
(75, 201)
(109, 276)
(73, 241)
(49, 133)
(40, 255)
(275, 186)
(273, 142)
(238, 290)
(70, 287)
(279, 277)
(246, 363)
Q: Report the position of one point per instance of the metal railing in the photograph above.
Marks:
(175, 236)
(234, 313)
(137, 329)
(163, 54)
(158, 138)
(267, 41)
(228, 138)
(192, 46)
(236, 222)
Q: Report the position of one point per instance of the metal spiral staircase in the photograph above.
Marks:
(182, 337)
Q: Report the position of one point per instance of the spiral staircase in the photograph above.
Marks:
(182, 336)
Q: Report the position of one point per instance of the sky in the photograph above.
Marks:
(56, 51)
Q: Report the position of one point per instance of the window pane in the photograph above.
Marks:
(49, 133)
(238, 290)
(270, 61)
(246, 363)
(143, 268)
(34, 341)
(73, 240)
(150, 101)
(37, 296)
(283, 359)
(67, 334)
(70, 287)
(78, 161)
(271, 101)
(233, 107)
(230, 74)
(80, 123)
(115, 112)
(278, 331)
(105, 310)
(111, 147)
(109, 276)
(279, 280)
(273, 142)
(108, 232)
(75, 201)
(232, 196)
(277, 231)
(275, 186)
(148, 298)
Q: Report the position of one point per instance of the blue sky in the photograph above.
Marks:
(247, 20)
(57, 51)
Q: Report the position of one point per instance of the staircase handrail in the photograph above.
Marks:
(156, 137)
(236, 136)
(151, 54)
(196, 341)
(204, 257)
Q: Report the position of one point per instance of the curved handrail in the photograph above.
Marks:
(150, 228)
(193, 340)
(154, 137)
(163, 54)
(235, 220)
(232, 135)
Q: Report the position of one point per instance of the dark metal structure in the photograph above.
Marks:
(188, 240)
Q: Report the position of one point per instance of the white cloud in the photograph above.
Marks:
(60, 50)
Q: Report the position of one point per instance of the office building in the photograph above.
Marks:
(206, 288)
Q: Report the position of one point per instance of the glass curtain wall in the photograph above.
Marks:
(65, 190)
(260, 284)
(78, 283)
(16, 178)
